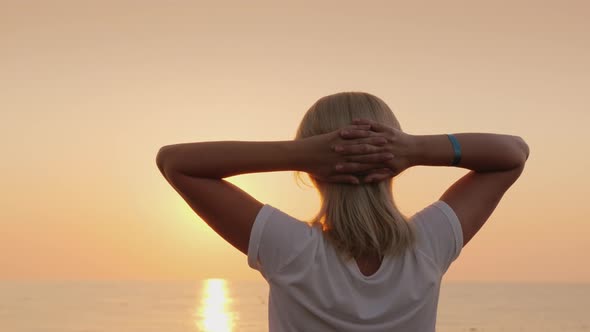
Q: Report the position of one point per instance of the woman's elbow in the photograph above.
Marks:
(162, 157)
(525, 149)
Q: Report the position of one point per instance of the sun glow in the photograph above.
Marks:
(214, 313)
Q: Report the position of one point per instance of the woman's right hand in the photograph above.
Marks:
(400, 144)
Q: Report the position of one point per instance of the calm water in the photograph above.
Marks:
(217, 305)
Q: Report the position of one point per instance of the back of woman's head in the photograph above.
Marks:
(357, 219)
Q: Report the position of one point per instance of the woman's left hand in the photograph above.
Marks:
(321, 158)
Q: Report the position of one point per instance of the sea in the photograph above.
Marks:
(220, 305)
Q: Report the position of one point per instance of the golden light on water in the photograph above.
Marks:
(214, 313)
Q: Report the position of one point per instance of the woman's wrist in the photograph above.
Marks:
(302, 154)
(431, 150)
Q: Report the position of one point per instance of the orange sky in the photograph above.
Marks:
(89, 93)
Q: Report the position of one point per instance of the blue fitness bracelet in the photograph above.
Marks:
(456, 149)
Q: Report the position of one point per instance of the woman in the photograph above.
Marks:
(360, 264)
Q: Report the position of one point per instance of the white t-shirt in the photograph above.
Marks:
(312, 289)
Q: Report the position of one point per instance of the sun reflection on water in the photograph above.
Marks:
(214, 314)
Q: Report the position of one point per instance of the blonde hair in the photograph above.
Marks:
(357, 219)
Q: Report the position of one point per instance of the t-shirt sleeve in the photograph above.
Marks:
(275, 239)
(442, 234)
